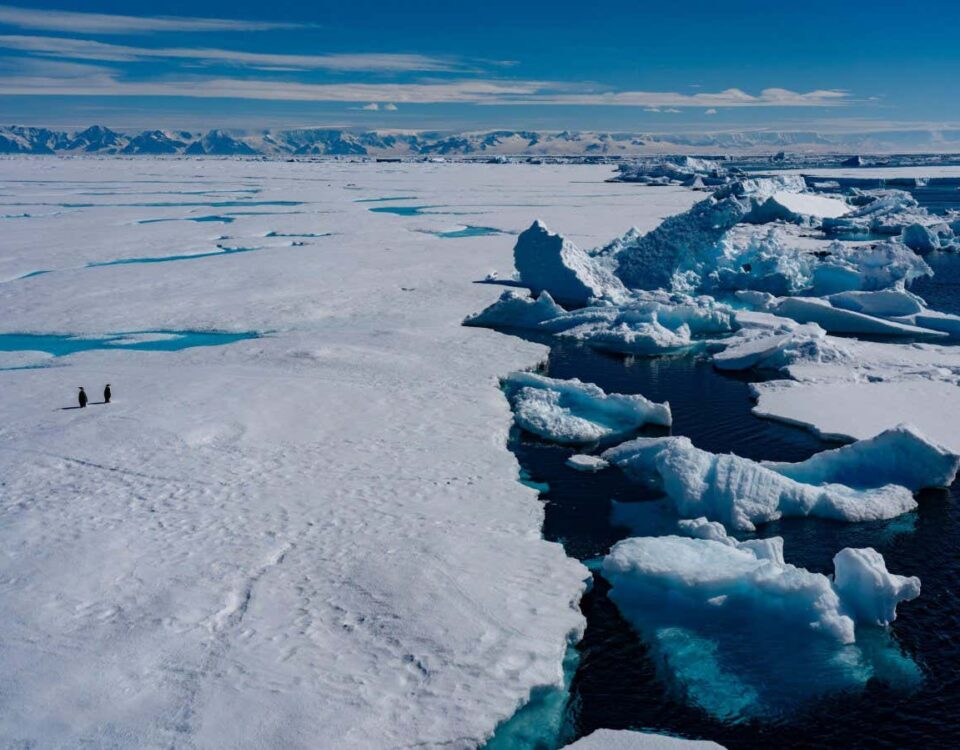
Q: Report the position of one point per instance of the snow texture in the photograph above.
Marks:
(318, 533)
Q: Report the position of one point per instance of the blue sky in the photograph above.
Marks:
(640, 66)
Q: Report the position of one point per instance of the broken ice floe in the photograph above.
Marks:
(708, 605)
(572, 412)
(741, 493)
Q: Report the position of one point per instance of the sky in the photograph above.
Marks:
(633, 66)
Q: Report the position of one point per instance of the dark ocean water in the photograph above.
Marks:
(621, 680)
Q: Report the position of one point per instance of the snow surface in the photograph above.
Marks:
(312, 534)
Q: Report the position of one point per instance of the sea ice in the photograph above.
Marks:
(549, 262)
(740, 633)
(902, 456)
(624, 739)
(572, 412)
(741, 493)
(517, 310)
(711, 572)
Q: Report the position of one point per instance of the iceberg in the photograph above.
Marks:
(548, 262)
(571, 412)
(741, 493)
(517, 310)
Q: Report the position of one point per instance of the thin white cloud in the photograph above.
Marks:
(771, 97)
(460, 91)
(88, 49)
(103, 23)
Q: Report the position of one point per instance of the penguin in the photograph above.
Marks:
(82, 398)
(106, 394)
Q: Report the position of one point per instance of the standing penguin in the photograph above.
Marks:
(106, 394)
(82, 398)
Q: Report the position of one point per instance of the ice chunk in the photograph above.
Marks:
(715, 571)
(838, 320)
(777, 351)
(707, 606)
(902, 455)
(572, 412)
(549, 262)
(869, 593)
(677, 170)
(920, 239)
(584, 462)
(624, 739)
(666, 257)
(651, 323)
(517, 310)
(796, 208)
(741, 493)
(885, 303)
(883, 212)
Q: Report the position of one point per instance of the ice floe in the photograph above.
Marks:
(518, 310)
(741, 493)
(740, 633)
(709, 571)
(572, 412)
(624, 739)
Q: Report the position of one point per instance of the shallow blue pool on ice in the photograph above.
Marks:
(468, 231)
(61, 345)
(170, 258)
(400, 210)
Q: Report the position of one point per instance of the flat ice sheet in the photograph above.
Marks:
(314, 534)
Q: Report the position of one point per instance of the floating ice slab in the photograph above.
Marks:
(875, 387)
(900, 456)
(584, 462)
(711, 571)
(624, 739)
(708, 606)
(741, 493)
(572, 412)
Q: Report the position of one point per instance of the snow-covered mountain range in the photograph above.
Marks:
(98, 139)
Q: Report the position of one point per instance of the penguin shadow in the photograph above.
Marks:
(89, 403)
